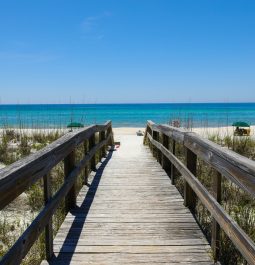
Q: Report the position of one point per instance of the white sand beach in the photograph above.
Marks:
(221, 131)
(203, 131)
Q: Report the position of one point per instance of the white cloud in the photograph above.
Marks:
(91, 22)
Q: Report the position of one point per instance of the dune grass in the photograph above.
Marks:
(237, 203)
(16, 145)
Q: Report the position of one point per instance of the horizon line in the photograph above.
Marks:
(135, 103)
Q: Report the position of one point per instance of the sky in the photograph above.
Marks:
(127, 51)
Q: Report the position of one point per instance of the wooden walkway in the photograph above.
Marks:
(130, 214)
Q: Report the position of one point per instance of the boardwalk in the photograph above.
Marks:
(130, 214)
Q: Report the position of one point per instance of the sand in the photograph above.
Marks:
(221, 131)
(205, 132)
(127, 130)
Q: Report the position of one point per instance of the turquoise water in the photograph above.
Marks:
(126, 115)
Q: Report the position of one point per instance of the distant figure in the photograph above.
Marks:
(176, 123)
(242, 129)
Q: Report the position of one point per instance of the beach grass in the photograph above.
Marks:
(15, 218)
(237, 203)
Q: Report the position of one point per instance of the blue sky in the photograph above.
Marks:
(92, 51)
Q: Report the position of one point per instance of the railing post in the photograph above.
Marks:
(189, 194)
(149, 131)
(173, 170)
(69, 165)
(102, 138)
(145, 135)
(109, 132)
(156, 153)
(159, 153)
(92, 142)
(166, 164)
(215, 242)
(86, 169)
(154, 136)
(48, 227)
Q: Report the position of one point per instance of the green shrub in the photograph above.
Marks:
(24, 147)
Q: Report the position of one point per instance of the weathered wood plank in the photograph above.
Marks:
(240, 239)
(133, 258)
(237, 168)
(130, 214)
(69, 165)
(48, 227)
(21, 247)
(17, 177)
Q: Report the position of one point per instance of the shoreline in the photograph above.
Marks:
(203, 131)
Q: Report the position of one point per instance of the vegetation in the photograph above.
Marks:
(238, 204)
(16, 217)
(12, 224)
(15, 145)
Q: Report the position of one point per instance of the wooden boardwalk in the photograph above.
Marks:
(130, 214)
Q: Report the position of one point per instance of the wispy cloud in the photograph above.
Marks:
(91, 24)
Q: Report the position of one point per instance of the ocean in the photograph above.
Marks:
(126, 115)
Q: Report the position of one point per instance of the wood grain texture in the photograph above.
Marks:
(130, 214)
(43, 220)
(17, 177)
(69, 165)
(235, 167)
(240, 239)
(48, 227)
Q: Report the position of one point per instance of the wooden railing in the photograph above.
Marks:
(236, 168)
(18, 177)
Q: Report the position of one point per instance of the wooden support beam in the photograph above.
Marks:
(173, 169)
(102, 136)
(215, 242)
(109, 132)
(69, 165)
(166, 164)
(48, 227)
(92, 142)
(189, 194)
(157, 153)
(86, 169)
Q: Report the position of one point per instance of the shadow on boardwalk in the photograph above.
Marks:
(63, 257)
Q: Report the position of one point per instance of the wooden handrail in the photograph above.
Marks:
(17, 177)
(21, 174)
(236, 168)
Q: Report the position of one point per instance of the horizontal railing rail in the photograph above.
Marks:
(236, 168)
(19, 176)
